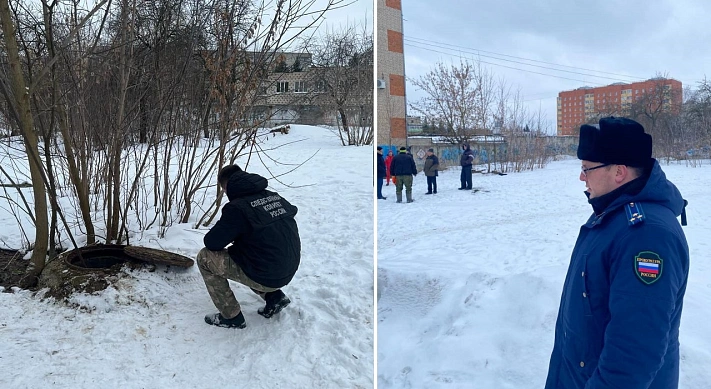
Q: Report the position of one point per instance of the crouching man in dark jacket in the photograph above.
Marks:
(265, 250)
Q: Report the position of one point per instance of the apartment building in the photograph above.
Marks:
(392, 125)
(296, 92)
(577, 106)
(290, 94)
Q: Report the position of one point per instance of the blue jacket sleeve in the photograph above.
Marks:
(231, 225)
(641, 312)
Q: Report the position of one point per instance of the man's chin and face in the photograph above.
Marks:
(598, 182)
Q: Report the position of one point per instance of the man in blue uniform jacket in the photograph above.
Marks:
(618, 321)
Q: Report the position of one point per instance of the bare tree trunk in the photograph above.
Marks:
(80, 188)
(22, 99)
(344, 123)
(118, 131)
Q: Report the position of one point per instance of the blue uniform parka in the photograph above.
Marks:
(619, 315)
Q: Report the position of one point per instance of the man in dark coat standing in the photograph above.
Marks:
(466, 160)
(430, 170)
(403, 168)
(381, 173)
(265, 251)
(618, 322)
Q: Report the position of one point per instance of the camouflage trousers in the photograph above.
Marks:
(216, 268)
(405, 181)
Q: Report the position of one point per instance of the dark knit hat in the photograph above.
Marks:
(379, 148)
(618, 141)
(430, 150)
(226, 172)
(403, 149)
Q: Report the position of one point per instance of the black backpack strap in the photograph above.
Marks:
(683, 213)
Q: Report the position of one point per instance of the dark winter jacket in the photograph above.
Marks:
(467, 157)
(431, 166)
(261, 226)
(403, 164)
(381, 165)
(618, 322)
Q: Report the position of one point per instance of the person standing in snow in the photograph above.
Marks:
(404, 169)
(265, 251)
(430, 170)
(380, 173)
(466, 160)
(388, 162)
(618, 321)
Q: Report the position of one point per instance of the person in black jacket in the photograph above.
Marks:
(403, 168)
(265, 251)
(466, 160)
(430, 170)
(382, 172)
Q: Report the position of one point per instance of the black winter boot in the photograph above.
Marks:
(216, 319)
(276, 301)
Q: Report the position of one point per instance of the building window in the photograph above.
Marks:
(299, 86)
(282, 86)
(320, 86)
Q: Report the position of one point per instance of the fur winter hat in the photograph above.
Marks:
(618, 141)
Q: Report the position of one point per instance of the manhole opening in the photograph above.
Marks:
(98, 257)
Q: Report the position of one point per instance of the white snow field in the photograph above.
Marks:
(469, 283)
(147, 331)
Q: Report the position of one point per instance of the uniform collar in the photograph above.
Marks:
(600, 204)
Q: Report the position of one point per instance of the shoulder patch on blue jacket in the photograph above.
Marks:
(635, 214)
(648, 266)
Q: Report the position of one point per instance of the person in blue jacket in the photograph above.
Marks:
(404, 169)
(466, 160)
(381, 173)
(618, 321)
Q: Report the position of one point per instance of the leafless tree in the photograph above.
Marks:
(657, 110)
(524, 132)
(459, 96)
(117, 101)
(341, 76)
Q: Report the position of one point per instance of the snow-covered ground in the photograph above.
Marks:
(147, 331)
(470, 283)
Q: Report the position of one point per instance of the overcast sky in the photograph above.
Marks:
(348, 13)
(629, 40)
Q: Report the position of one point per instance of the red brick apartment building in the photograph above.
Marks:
(575, 107)
(392, 127)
